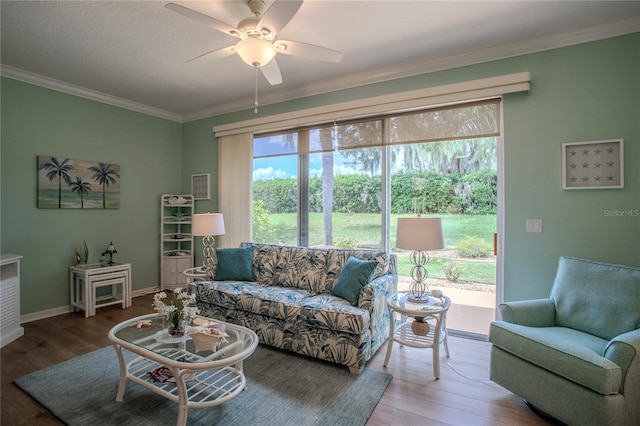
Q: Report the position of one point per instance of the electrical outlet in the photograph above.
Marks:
(534, 225)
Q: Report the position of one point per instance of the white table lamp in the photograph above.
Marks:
(206, 225)
(419, 234)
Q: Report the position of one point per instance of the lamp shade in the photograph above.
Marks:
(206, 224)
(255, 52)
(419, 233)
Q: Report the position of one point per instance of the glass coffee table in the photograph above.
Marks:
(194, 377)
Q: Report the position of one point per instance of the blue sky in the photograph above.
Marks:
(286, 167)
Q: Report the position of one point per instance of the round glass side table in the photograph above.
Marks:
(193, 275)
(403, 313)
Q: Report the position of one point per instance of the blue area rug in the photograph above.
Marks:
(282, 389)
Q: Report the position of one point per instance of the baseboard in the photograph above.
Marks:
(35, 316)
(144, 291)
(468, 335)
(8, 337)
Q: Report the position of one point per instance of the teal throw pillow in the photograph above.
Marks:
(234, 264)
(355, 274)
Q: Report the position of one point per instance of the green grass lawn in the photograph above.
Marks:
(365, 231)
(473, 271)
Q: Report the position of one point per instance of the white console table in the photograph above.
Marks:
(10, 298)
(84, 280)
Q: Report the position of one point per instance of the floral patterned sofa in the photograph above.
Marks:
(287, 299)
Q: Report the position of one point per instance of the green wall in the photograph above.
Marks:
(580, 93)
(38, 121)
(583, 93)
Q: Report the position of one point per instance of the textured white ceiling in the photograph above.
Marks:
(138, 50)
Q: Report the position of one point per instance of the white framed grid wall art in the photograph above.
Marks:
(200, 189)
(593, 165)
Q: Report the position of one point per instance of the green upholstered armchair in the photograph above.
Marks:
(575, 355)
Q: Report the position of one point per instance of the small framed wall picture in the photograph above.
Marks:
(200, 188)
(593, 165)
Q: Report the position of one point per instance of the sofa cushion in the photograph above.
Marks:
(275, 302)
(234, 264)
(334, 313)
(355, 274)
(299, 267)
(569, 353)
(589, 296)
(287, 266)
(223, 293)
(265, 258)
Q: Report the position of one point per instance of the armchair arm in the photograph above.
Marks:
(531, 313)
(624, 350)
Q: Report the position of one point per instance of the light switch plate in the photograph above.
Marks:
(534, 225)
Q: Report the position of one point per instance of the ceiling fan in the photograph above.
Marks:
(258, 43)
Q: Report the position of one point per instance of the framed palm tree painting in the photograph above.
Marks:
(64, 183)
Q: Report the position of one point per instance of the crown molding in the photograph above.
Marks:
(71, 89)
(556, 41)
(540, 44)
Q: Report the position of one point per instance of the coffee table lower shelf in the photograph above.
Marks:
(203, 388)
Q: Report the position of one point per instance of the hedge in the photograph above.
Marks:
(411, 192)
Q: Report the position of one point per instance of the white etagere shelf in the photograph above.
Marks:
(176, 240)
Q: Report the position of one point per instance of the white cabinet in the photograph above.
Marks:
(176, 240)
(10, 298)
(173, 271)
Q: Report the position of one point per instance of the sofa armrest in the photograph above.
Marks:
(373, 298)
(380, 288)
(624, 350)
(531, 313)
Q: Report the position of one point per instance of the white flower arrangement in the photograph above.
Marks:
(182, 307)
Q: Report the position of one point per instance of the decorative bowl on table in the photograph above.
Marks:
(207, 338)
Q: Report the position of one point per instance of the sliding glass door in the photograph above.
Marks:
(344, 185)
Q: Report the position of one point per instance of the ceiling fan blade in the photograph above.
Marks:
(279, 15)
(213, 56)
(203, 19)
(271, 72)
(310, 51)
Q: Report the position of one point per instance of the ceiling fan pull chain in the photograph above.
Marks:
(255, 103)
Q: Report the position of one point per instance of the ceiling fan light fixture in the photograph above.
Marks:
(280, 47)
(255, 52)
